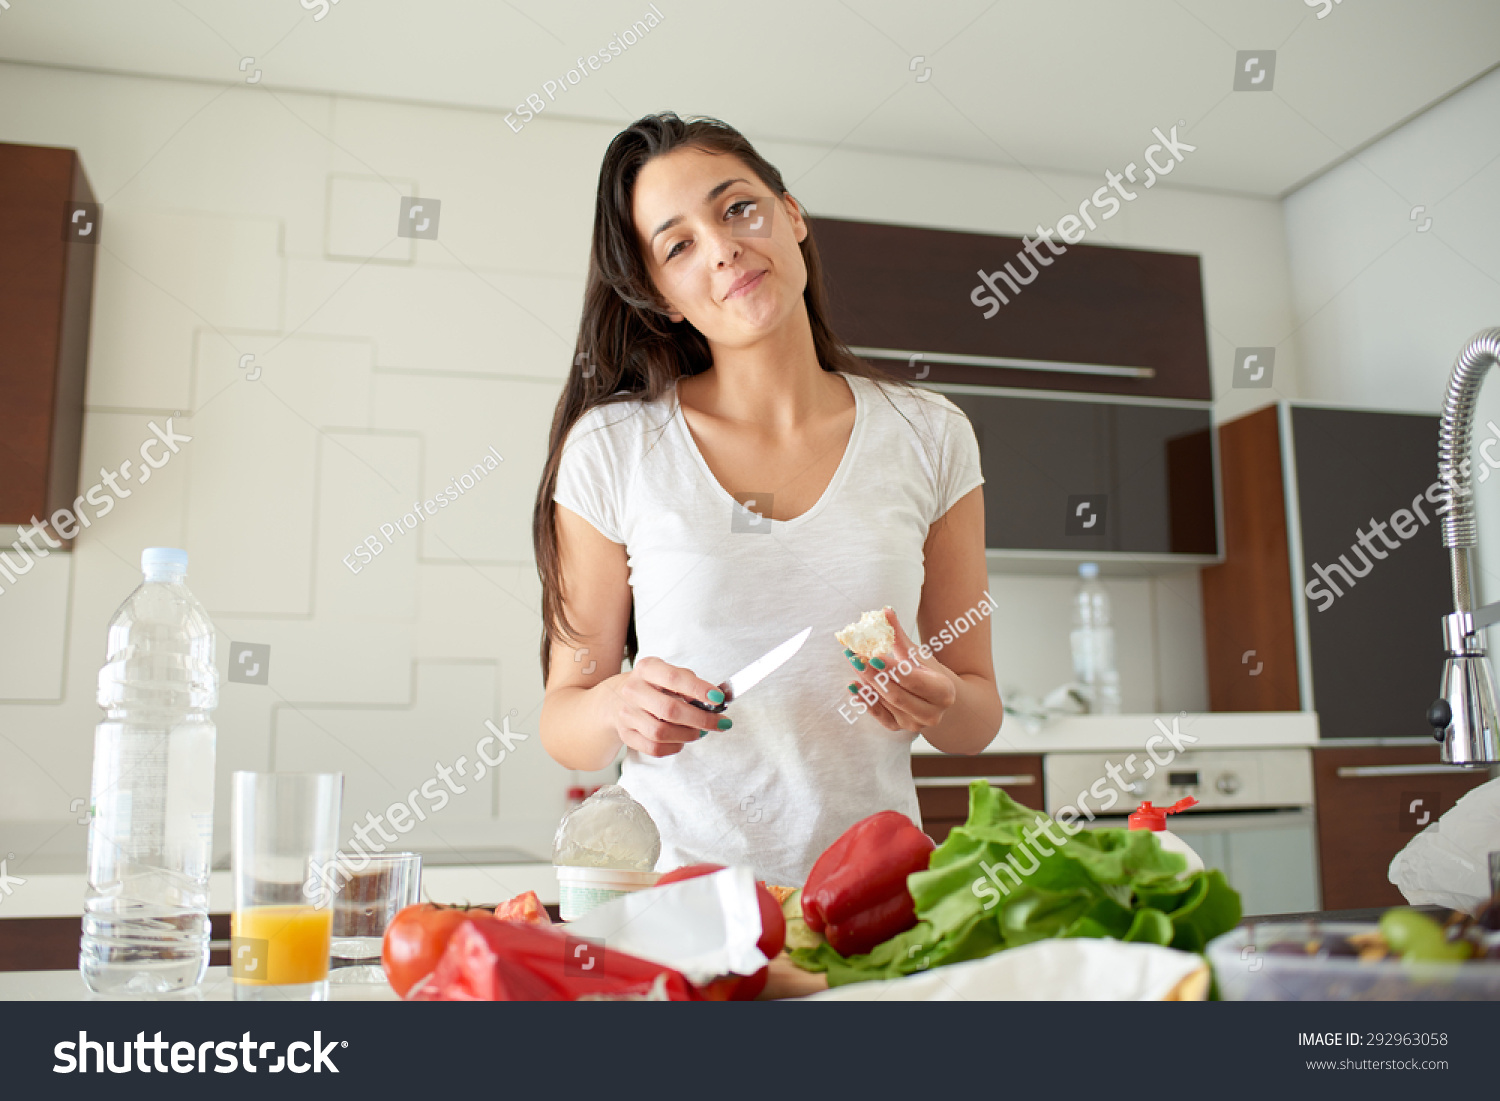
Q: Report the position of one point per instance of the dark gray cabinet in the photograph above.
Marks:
(1094, 477)
(1373, 611)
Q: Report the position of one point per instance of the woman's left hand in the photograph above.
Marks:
(903, 692)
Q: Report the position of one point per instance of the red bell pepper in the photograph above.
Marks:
(856, 893)
(505, 961)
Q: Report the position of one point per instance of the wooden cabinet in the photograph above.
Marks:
(1249, 629)
(1360, 642)
(46, 288)
(51, 943)
(943, 785)
(895, 290)
(1371, 801)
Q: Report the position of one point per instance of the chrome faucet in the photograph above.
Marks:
(1464, 717)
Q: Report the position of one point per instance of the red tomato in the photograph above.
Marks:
(524, 907)
(741, 988)
(415, 939)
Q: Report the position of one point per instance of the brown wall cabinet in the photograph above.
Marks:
(911, 289)
(1372, 800)
(1372, 652)
(1249, 632)
(943, 785)
(49, 226)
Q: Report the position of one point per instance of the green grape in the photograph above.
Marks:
(1413, 935)
(1443, 953)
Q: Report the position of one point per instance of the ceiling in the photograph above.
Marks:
(1045, 84)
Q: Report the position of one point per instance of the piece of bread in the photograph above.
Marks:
(870, 637)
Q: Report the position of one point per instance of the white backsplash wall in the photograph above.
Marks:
(250, 222)
(1395, 260)
(1158, 624)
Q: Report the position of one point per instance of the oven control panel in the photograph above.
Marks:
(1220, 779)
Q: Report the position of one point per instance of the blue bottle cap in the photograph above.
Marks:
(154, 558)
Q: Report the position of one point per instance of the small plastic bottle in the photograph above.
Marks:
(1093, 642)
(1147, 817)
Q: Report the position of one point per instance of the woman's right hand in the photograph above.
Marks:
(649, 711)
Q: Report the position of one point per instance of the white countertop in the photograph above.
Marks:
(67, 986)
(1211, 730)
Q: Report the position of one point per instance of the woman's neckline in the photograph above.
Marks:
(840, 472)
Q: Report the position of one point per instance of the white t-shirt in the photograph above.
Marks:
(792, 773)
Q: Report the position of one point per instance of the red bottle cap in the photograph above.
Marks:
(1147, 817)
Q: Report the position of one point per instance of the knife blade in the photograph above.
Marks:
(757, 671)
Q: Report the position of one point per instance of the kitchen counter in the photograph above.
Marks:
(61, 894)
(67, 986)
(1367, 916)
(1096, 733)
(20, 986)
(54, 884)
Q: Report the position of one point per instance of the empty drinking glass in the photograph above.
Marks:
(368, 891)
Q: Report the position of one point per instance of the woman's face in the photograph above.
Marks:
(721, 250)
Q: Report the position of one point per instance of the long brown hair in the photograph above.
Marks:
(628, 349)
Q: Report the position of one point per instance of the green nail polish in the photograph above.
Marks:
(877, 663)
(848, 653)
(854, 688)
(725, 724)
(702, 733)
(858, 664)
(715, 696)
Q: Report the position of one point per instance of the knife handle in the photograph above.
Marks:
(711, 708)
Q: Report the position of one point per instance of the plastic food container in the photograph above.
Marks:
(1246, 971)
(579, 890)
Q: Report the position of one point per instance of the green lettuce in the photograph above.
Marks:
(988, 887)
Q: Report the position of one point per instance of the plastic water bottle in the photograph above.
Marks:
(1094, 643)
(145, 919)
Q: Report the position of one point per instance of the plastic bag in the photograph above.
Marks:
(1447, 864)
(703, 927)
(609, 829)
(504, 961)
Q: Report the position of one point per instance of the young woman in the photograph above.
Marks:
(722, 473)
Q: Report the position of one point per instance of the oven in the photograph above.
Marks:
(1254, 821)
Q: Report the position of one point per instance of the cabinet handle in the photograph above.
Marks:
(965, 781)
(1054, 366)
(1354, 772)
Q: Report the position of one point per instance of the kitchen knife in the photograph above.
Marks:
(757, 671)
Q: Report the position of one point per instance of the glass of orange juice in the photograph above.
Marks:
(285, 828)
